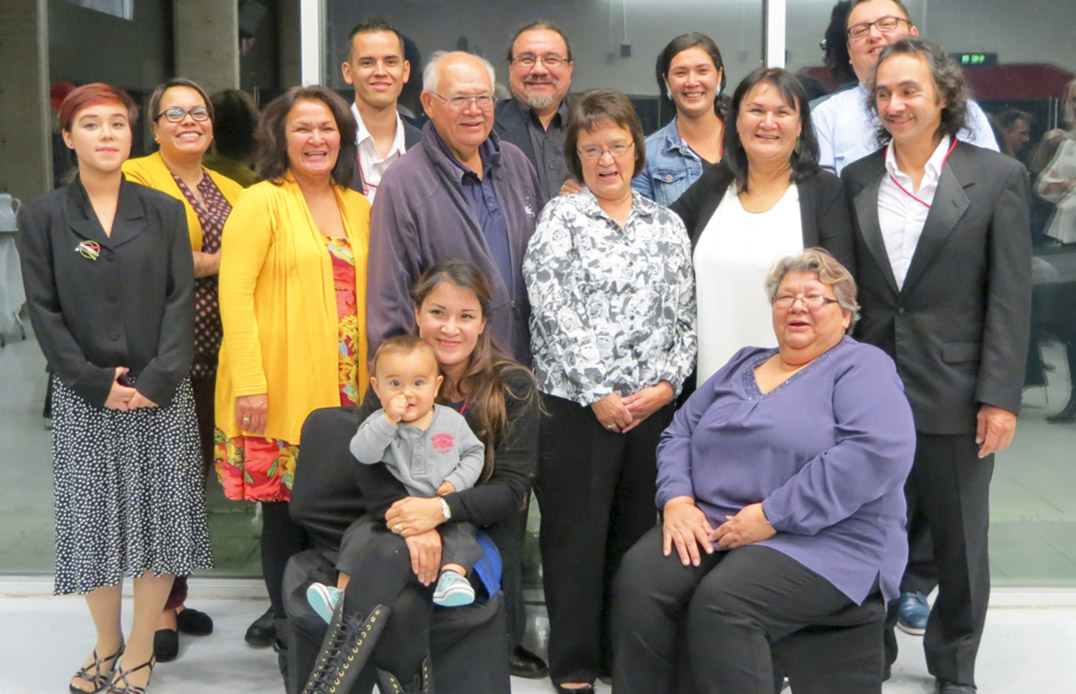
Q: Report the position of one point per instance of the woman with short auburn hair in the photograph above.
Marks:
(109, 281)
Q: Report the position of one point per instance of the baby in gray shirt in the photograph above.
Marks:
(430, 449)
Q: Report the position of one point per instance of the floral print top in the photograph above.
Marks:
(344, 282)
(612, 308)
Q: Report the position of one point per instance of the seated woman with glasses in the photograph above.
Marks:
(781, 484)
(612, 297)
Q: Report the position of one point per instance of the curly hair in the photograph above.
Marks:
(829, 270)
(950, 85)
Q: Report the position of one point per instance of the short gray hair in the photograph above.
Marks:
(431, 75)
(829, 271)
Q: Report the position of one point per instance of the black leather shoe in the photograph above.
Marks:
(262, 633)
(193, 622)
(523, 663)
(954, 688)
(165, 645)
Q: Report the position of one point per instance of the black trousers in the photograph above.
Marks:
(735, 604)
(949, 486)
(596, 492)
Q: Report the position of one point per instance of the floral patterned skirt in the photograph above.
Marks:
(255, 468)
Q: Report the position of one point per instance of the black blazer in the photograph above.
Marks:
(412, 136)
(958, 328)
(133, 306)
(824, 214)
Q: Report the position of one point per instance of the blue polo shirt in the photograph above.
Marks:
(481, 197)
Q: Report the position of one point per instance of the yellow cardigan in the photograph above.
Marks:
(278, 306)
(150, 171)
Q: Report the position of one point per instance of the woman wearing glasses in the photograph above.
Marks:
(768, 198)
(609, 277)
(292, 303)
(182, 117)
(781, 485)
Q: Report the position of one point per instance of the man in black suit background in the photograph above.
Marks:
(534, 119)
(944, 260)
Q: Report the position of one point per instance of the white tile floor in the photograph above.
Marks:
(1029, 646)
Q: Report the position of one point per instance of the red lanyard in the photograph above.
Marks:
(366, 186)
(908, 192)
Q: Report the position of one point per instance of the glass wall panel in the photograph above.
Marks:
(1017, 56)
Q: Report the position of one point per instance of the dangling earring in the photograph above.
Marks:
(799, 146)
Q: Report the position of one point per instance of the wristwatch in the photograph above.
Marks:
(445, 510)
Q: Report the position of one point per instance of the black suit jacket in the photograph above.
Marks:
(133, 306)
(958, 328)
(824, 215)
(412, 136)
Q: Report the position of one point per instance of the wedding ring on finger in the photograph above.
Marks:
(398, 527)
(611, 427)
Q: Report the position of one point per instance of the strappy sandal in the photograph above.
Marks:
(98, 679)
(121, 685)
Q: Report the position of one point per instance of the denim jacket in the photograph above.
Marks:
(671, 166)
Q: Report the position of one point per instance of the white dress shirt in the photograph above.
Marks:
(847, 129)
(902, 211)
(372, 167)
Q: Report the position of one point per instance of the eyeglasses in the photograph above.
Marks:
(595, 152)
(460, 103)
(886, 24)
(813, 302)
(550, 61)
(176, 115)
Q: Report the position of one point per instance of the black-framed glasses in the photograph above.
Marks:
(812, 301)
(460, 103)
(550, 61)
(176, 115)
(886, 24)
(595, 152)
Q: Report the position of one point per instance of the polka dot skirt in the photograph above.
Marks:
(128, 491)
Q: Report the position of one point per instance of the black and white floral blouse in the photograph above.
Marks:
(612, 309)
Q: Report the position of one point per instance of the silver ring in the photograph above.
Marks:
(398, 527)
(611, 427)
(246, 419)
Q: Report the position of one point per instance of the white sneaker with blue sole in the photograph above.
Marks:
(323, 599)
(453, 590)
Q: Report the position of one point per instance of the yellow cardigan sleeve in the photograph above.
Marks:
(151, 171)
(247, 236)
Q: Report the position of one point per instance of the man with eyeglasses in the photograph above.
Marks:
(376, 69)
(845, 128)
(461, 192)
(539, 73)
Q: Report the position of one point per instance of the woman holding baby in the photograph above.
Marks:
(387, 607)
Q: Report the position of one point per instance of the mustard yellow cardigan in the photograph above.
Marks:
(150, 171)
(278, 306)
